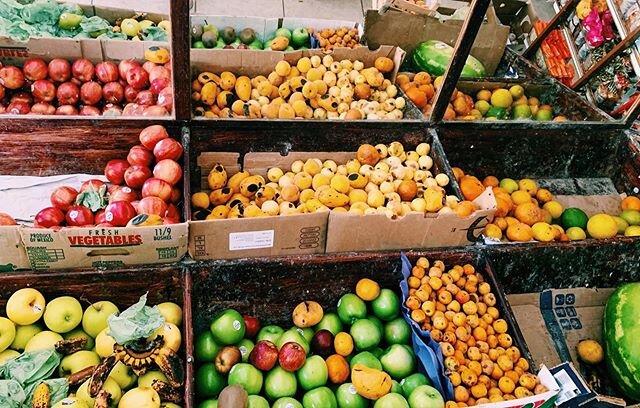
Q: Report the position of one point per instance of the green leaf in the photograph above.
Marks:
(94, 199)
(137, 322)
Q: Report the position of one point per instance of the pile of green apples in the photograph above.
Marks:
(208, 36)
(33, 324)
(296, 367)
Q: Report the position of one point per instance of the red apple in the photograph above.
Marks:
(165, 98)
(93, 184)
(23, 97)
(18, 108)
(168, 170)
(91, 93)
(113, 92)
(172, 212)
(145, 98)
(154, 187)
(43, 108)
(49, 217)
(83, 70)
(125, 66)
(107, 72)
(79, 215)
(159, 72)
(159, 84)
(155, 111)
(168, 149)
(59, 70)
(322, 343)
(64, 197)
(133, 109)
(252, 325)
(66, 110)
(6, 219)
(105, 225)
(137, 77)
(111, 110)
(68, 93)
(151, 206)
(140, 155)
(151, 135)
(35, 69)
(169, 221)
(130, 93)
(136, 175)
(148, 66)
(89, 110)
(2, 92)
(227, 357)
(176, 195)
(118, 213)
(292, 356)
(135, 205)
(11, 77)
(114, 171)
(100, 217)
(264, 355)
(120, 193)
(43, 90)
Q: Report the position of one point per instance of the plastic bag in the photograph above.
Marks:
(41, 12)
(58, 390)
(93, 24)
(11, 394)
(428, 350)
(10, 9)
(32, 367)
(138, 321)
(154, 33)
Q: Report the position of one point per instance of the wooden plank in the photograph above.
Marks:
(181, 48)
(350, 10)
(254, 8)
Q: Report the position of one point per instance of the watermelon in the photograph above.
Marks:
(433, 57)
(621, 332)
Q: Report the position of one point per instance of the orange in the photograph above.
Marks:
(544, 196)
(418, 97)
(343, 344)
(421, 78)
(504, 205)
(402, 79)
(457, 172)
(338, 369)
(465, 209)
(367, 289)
(491, 181)
(631, 203)
(471, 187)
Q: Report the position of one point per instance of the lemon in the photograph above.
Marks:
(528, 185)
(554, 208)
(483, 106)
(622, 224)
(520, 197)
(602, 226)
(632, 231)
(632, 217)
(484, 95)
(576, 234)
(590, 351)
(493, 231)
(508, 185)
(517, 91)
(501, 98)
(543, 232)
(130, 27)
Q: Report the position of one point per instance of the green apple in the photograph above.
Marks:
(25, 306)
(366, 335)
(245, 346)
(321, 397)
(104, 343)
(147, 379)
(256, 45)
(397, 331)
(399, 361)
(79, 333)
(209, 382)
(425, 396)
(206, 348)
(171, 312)
(69, 21)
(267, 44)
(377, 321)
(23, 335)
(256, 401)
(140, 397)
(412, 382)
(109, 385)
(63, 314)
(391, 400)
(94, 319)
(286, 402)
(220, 43)
(123, 375)
(396, 387)
(271, 333)
(377, 351)
(348, 397)
(246, 375)
(293, 335)
(70, 402)
(386, 306)
(228, 327)
(351, 308)
(313, 373)
(78, 361)
(8, 355)
(307, 333)
(367, 359)
(300, 37)
(280, 383)
(43, 341)
(331, 322)
(210, 403)
(283, 32)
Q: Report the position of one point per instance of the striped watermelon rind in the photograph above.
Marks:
(621, 332)
(433, 57)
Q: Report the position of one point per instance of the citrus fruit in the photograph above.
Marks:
(544, 114)
(554, 208)
(631, 203)
(632, 231)
(528, 185)
(509, 185)
(602, 226)
(343, 344)
(521, 101)
(490, 181)
(367, 289)
(543, 195)
(590, 351)
(519, 232)
(483, 106)
(576, 234)
(622, 224)
(521, 111)
(520, 197)
(501, 98)
(497, 113)
(492, 231)
(528, 213)
(632, 217)
(574, 217)
(543, 232)
(517, 91)
(484, 95)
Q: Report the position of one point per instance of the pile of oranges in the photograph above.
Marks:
(459, 310)
(421, 89)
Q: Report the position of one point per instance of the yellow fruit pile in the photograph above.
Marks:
(381, 179)
(330, 38)
(524, 211)
(459, 310)
(313, 88)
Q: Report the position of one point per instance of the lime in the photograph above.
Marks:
(69, 21)
(622, 224)
(574, 217)
(632, 217)
(576, 234)
(501, 98)
(209, 382)
(517, 91)
(497, 112)
(206, 347)
(544, 114)
(351, 308)
(521, 111)
(602, 226)
(632, 231)
(509, 185)
(386, 306)
(483, 106)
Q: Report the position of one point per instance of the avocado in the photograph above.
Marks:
(247, 36)
(209, 38)
(196, 32)
(228, 35)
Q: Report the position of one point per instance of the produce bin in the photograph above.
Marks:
(47, 148)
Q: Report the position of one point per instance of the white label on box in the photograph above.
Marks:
(239, 241)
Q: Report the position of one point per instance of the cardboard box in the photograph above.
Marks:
(264, 27)
(13, 255)
(318, 24)
(407, 31)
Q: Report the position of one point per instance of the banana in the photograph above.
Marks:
(157, 55)
(370, 383)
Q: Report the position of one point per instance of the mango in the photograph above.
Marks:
(243, 88)
(209, 93)
(279, 43)
(370, 383)
(227, 81)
